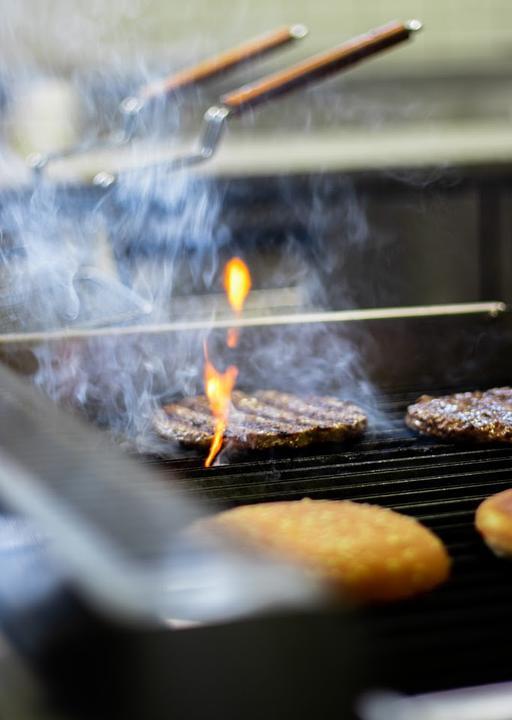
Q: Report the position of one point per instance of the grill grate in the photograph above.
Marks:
(461, 634)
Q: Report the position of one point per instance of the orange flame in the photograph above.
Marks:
(219, 386)
(232, 337)
(237, 282)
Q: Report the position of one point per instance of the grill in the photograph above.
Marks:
(461, 633)
(457, 636)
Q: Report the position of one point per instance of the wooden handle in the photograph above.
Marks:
(222, 63)
(319, 66)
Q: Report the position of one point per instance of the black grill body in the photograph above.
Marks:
(458, 635)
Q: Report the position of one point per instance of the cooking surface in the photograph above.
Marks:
(458, 635)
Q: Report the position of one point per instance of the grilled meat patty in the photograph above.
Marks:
(479, 416)
(264, 419)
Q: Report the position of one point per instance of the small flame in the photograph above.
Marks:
(232, 337)
(219, 386)
(237, 283)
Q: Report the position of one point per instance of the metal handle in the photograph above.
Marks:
(215, 66)
(278, 84)
(319, 66)
(131, 106)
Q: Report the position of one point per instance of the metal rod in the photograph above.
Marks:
(490, 309)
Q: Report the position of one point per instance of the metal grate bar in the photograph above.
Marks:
(458, 635)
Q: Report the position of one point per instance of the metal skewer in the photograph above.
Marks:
(278, 84)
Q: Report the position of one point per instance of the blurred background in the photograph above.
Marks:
(451, 86)
(462, 34)
(387, 185)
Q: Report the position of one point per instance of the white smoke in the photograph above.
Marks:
(166, 230)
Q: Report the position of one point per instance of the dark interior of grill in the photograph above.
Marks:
(455, 636)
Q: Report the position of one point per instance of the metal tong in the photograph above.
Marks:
(131, 107)
(278, 84)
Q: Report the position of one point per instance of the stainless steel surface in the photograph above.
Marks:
(95, 298)
(117, 529)
(105, 301)
(489, 702)
(38, 162)
(211, 133)
(414, 25)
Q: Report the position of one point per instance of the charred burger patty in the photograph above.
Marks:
(481, 416)
(264, 419)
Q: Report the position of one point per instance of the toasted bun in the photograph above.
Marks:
(493, 521)
(369, 552)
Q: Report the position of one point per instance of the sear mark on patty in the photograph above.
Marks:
(481, 416)
(265, 419)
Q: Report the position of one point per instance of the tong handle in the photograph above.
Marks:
(319, 66)
(222, 63)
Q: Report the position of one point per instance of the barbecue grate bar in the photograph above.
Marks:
(460, 634)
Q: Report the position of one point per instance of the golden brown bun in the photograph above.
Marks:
(367, 551)
(493, 521)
